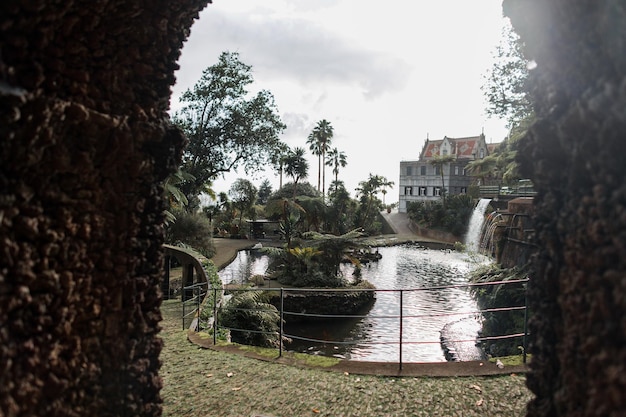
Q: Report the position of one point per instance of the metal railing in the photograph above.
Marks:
(212, 323)
(195, 295)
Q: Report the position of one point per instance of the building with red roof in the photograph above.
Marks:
(421, 180)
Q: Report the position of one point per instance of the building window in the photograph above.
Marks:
(437, 170)
(423, 170)
(456, 170)
(482, 153)
(422, 191)
(445, 152)
(437, 191)
(408, 190)
(409, 170)
(463, 190)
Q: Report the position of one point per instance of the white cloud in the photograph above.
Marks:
(384, 74)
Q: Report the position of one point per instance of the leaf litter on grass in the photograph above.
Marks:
(196, 383)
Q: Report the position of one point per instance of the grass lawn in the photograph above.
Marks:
(201, 382)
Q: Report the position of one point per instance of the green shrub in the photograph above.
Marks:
(193, 230)
(500, 296)
(452, 218)
(250, 311)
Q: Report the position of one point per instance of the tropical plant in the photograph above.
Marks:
(440, 161)
(367, 191)
(296, 167)
(335, 249)
(251, 319)
(319, 143)
(174, 197)
(341, 209)
(497, 297)
(336, 159)
(289, 212)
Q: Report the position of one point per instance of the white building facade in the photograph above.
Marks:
(421, 180)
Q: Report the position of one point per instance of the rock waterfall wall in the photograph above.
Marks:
(574, 154)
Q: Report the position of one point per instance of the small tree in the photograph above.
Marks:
(243, 195)
(257, 319)
(265, 190)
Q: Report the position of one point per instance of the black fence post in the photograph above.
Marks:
(214, 316)
(280, 333)
(524, 339)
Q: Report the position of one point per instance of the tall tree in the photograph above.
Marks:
(505, 86)
(367, 190)
(296, 167)
(265, 190)
(243, 195)
(319, 141)
(336, 159)
(227, 127)
(278, 161)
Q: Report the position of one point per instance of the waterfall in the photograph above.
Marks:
(472, 239)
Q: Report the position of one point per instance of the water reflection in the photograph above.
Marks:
(376, 336)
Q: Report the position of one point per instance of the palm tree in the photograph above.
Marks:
(368, 190)
(314, 147)
(319, 143)
(440, 161)
(336, 159)
(384, 184)
(296, 167)
(278, 161)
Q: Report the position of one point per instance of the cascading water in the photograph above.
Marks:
(472, 238)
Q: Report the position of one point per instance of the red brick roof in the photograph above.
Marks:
(461, 147)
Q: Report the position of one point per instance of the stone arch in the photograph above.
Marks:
(84, 142)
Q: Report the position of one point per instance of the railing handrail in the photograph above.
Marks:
(401, 317)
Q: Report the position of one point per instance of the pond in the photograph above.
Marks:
(410, 268)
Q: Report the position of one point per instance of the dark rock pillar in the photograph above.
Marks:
(84, 142)
(576, 156)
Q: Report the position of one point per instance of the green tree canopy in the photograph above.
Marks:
(336, 159)
(367, 191)
(227, 127)
(243, 195)
(505, 86)
(265, 191)
(296, 167)
(319, 143)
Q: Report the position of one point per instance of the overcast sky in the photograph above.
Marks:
(385, 74)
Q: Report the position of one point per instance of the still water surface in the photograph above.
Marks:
(376, 336)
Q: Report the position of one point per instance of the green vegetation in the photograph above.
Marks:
(251, 311)
(227, 127)
(314, 263)
(197, 382)
(192, 230)
(499, 296)
(452, 217)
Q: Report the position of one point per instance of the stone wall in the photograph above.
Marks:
(574, 154)
(84, 141)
